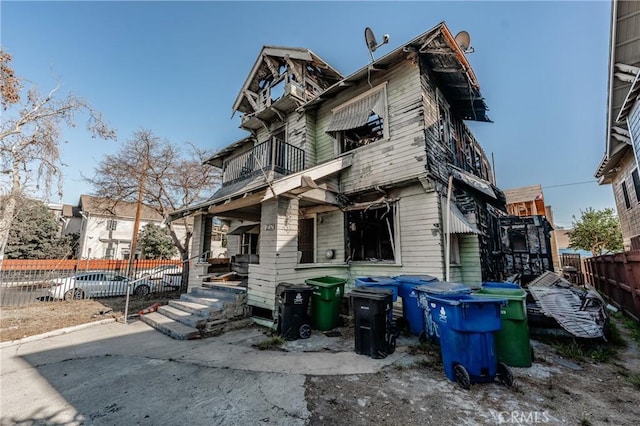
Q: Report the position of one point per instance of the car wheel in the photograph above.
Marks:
(142, 290)
(74, 294)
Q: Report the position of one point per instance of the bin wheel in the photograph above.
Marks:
(423, 337)
(462, 376)
(305, 331)
(392, 345)
(504, 374)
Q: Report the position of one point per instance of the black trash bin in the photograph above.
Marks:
(293, 311)
(375, 333)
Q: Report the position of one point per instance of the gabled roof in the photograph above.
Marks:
(624, 83)
(122, 209)
(261, 69)
(446, 60)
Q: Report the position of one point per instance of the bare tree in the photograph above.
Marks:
(159, 174)
(30, 137)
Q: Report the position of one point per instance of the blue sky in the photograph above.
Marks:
(176, 67)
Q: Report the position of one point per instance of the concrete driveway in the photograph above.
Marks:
(131, 374)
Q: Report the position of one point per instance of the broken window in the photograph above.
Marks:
(517, 241)
(306, 240)
(371, 233)
(249, 243)
(361, 121)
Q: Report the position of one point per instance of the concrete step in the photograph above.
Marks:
(211, 293)
(211, 302)
(170, 327)
(221, 286)
(191, 307)
(187, 318)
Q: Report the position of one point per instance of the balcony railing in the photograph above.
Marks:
(273, 155)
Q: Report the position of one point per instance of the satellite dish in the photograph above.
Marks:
(372, 43)
(463, 40)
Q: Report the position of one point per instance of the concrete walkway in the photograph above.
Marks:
(131, 374)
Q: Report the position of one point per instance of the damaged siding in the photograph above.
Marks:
(330, 235)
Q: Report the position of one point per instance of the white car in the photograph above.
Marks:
(97, 284)
(169, 275)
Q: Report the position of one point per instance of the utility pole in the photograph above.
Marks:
(136, 223)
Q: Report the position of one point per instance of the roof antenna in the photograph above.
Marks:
(372, 44)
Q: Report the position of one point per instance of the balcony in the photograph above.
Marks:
(273, 155)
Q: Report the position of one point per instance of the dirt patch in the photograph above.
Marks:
(19, 322)
(415, 391)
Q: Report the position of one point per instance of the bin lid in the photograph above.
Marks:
(492, 284)
(443, 287)
(371, 292)
(465, 298)
(415, 279)
(375, 281)
(326, 281)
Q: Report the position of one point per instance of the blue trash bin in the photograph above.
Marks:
(385, 283)
(411, 312)
(435, 288)
(466, 325)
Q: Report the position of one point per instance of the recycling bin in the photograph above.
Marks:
(441, 288)
(374, 331)
(293, 311)
(411, 312)
(466, 325)
(325, 301)
(512, 341)
(386, 283)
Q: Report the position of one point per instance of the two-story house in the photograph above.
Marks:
(621, 163)
(375, 173)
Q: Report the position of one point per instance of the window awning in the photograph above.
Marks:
(357, 114)
(459, 224)
(253, 228)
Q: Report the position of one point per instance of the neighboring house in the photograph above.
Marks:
(529, 201)
(350, 176)
(621, 161)
(68, 218)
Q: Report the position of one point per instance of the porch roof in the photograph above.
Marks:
(253, 192)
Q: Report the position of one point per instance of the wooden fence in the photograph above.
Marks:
(617, 277)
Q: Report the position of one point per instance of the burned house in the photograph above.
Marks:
(375, 173)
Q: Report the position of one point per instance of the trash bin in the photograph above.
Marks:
(512, 341)
(325, 301)
(411, 312)
(293, 311)
(436, 288)
(466, 325)
(374, 331)
(386, 283)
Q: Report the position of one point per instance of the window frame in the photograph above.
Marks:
(636, 183)
(625, 195)
(393, 240)
(340, 134)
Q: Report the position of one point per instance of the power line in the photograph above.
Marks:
(570, 184)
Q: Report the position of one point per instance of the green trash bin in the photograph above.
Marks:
(512, 341)
(325, 301)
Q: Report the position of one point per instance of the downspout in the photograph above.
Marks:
(447, 252)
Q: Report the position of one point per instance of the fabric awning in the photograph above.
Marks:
(253, 228)
(357, 114)
(459, 223)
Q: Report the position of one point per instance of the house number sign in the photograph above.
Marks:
(269, 226)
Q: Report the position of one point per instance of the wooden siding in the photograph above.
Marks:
(471, 272)
(330, 235)
(385, 161)
(629, 217)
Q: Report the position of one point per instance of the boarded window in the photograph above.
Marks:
(371, 233)
(306, 240)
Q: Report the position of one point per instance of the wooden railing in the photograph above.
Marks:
(273, 154)
(617, 277)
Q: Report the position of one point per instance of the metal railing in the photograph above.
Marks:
(272, 155)
(24, 282)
